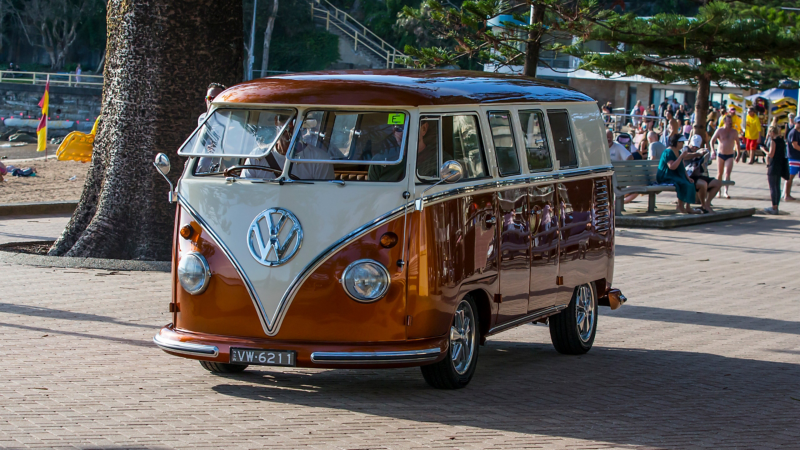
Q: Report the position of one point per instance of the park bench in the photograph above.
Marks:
(639, 177)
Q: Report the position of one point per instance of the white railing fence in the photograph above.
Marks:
(55, 79)
(362, 36)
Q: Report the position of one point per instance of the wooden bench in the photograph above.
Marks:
(639, 177)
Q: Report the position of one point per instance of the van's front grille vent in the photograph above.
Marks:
(602, 206)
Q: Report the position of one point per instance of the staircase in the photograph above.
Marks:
(364, 42)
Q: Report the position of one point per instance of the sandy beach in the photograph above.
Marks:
(51, 183)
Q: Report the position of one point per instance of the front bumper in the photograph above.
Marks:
(309, 354)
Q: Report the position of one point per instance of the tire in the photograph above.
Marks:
(572, 331)
(456, 370)
(216, 367)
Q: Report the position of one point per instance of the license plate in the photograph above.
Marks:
(263, 357)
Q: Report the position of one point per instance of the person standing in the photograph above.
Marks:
(793, 149)
(728, 139)
(752, 133)
(777, 168)
(78, 73)
(638, 110)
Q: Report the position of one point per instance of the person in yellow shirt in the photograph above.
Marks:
(737, 121)
(752, 133)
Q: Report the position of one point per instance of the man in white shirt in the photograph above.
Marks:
(655, 148)
(617, 150)
(276, 158)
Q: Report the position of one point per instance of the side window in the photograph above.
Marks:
(460, 141)
(536, 149)
(562, 139)
(503, 138)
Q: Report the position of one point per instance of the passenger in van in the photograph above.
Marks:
(395, 172)
(276, 158)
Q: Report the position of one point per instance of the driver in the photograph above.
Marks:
(276, 158)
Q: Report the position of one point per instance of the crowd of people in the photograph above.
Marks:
(661, 134)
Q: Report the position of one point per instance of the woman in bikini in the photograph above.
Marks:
(728, 139)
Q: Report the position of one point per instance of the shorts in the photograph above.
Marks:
(751, 144)
(702, 177)
(794, 167)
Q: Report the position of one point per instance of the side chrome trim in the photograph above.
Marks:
(571, 174)
(262, 316)
(525, 319)
(375, 357)
(186, 348)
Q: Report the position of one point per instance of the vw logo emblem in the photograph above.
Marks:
(274, 237)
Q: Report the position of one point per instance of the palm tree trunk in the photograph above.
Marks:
(160, 57)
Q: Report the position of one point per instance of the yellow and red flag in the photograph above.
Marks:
(41, 130)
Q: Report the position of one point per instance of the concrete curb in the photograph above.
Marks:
(67, 262)
(681, 220)
(38, 209)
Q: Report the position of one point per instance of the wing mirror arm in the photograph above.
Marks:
(161, 164)
(450, 172)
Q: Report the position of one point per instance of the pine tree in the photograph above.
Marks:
(733, 43)
(520, 41)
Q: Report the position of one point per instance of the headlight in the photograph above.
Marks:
(365, 280)
(194, 273)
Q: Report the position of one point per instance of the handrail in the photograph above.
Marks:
(364, 36)
(68, 79)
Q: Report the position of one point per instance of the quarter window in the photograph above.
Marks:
(562, 138)
(447, 138)
(537, 151)
(503, 138)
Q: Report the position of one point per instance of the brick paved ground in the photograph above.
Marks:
(706, 354)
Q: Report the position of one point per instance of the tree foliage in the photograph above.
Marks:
(52, 25)
(726, 42)
(516, 42)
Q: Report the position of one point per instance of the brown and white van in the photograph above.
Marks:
(389, 218)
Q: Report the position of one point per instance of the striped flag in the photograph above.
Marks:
(41, 130)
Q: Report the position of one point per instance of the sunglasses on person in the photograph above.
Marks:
(210, 98)
(398, 129)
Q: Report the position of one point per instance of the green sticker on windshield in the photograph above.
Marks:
(397, 119)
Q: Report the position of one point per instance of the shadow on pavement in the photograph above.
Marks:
(639, 312)
(625, 397)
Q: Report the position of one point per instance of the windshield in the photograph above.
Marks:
(237, 133)
(368, 138)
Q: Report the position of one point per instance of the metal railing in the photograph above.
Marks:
(360, 34)
(55, 79)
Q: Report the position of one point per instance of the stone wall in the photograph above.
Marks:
(66, 103)
(603, 91)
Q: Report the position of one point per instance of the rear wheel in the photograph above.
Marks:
(216, 367)
(456, 369)
(573, 329)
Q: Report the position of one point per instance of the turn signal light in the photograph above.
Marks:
(388, 240)
(186, 231)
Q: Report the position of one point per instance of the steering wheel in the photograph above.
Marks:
(238, 169)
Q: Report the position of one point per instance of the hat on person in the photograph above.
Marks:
(696, 141)
(731, 109)
(673, 141)
(797, 119)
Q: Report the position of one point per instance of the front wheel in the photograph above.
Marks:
(456, 369)
(573, 329)
(216, 367)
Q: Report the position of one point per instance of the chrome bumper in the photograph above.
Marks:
(430, 354)
(186, 348)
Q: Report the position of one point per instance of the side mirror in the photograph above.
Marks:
(162, 163)
(451, 172)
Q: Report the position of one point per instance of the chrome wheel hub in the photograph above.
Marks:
(462, 338)
(585, 312)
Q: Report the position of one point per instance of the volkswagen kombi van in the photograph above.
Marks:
(389, 218)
